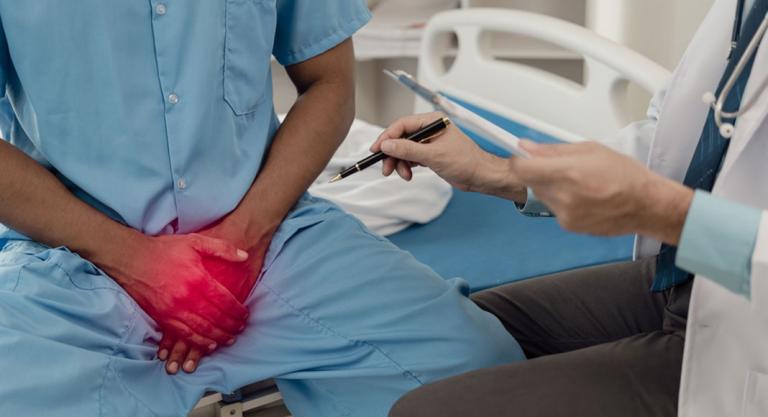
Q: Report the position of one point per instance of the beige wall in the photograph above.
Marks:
(659, 29)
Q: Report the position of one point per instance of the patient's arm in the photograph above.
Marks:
(302, 147)
(312, 131)
(314, 128)
(34, 202)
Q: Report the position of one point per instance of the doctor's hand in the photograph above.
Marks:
(593, 189)
(452, 155)
(166, 276)
(238, 277)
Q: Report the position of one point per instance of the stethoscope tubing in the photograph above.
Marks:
(718, 103)
(740, 67)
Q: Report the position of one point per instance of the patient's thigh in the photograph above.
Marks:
(76, 345)
(363, 288)
(63, 325)
(350, 323)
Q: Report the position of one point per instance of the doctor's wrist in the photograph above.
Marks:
(496, 179)
(664, 210)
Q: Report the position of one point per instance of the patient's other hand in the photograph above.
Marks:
(452, 155)
(238, 277)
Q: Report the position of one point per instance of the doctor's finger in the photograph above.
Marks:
(405, 126)
(539, 150)
(537, 170)
(404, 170)
(389, 166)
(407, 150)
(555, 150)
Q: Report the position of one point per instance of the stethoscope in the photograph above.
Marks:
(727, 129)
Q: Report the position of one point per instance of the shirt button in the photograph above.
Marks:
(181, 184)
(173, 99)
(161, 9)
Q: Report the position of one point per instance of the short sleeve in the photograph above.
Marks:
(308, 28)
(6, 113)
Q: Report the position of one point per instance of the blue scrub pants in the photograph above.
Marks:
(344, 321)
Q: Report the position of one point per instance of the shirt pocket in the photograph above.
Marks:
(11, 265)
(249, 39)
(756, 395)
(63, 269)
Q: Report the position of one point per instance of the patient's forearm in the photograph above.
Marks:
(311, 133)
(35, 203)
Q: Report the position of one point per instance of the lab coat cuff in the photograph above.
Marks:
(718, 241)
(759, 284)
(533, 207)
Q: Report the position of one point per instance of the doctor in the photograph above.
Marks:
(615, 340)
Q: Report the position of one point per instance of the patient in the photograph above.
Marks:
(156, 210)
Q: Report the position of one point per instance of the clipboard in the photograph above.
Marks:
(462, 116)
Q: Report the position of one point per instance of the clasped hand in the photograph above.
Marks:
(194, 287)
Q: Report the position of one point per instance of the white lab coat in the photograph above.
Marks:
(725, 369)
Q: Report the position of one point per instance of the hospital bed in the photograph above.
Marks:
(482, 239)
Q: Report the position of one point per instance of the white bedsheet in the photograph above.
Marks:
(385, 205)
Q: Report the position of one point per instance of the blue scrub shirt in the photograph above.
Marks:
(158, 113)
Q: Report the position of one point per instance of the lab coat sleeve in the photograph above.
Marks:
(308, 28)
(759, 273)
(718, 241)
(635, 139)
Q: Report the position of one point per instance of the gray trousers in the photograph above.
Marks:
(599, 343)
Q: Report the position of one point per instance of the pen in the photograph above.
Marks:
(421, 136)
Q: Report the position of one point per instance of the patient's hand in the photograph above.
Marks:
(167, 277)
(238, 277)
(452, 155)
